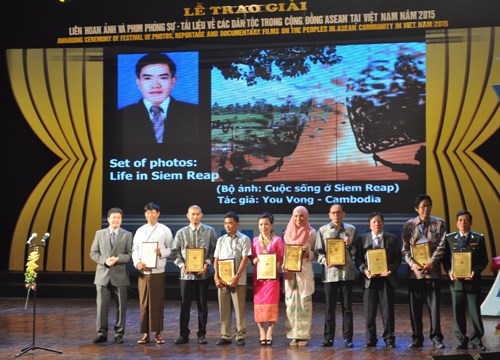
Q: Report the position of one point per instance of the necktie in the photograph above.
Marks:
(158, 123)
(376, 242)
(113, 239)
(462, 241)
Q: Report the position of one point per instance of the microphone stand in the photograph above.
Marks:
(33, 346)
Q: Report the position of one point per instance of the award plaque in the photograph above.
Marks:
(421, 253)
(148, 254)
(226, 270)
(293, 258)
(266, 267)
(462, 264)
(195, 260)
(335, 252)
(377, 261)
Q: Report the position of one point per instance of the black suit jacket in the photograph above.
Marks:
(135, 129)
(477, 245)
(393, 251)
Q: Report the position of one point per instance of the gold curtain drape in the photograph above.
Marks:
(60, 93)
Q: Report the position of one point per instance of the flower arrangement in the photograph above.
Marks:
(30, 273)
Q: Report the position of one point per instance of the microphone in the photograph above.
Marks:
(45, 238)
(32, 237)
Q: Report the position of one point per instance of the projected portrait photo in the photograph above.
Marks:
(158, 100)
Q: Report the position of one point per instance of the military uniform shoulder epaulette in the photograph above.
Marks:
(476, 233)
(452, 233)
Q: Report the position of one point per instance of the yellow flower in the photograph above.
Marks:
(30, 273)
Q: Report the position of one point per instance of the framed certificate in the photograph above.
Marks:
(226, 270)
(293, 258)
(377, 261)
(421, 253)
(461, 264)
(148, 254)
(335, 252)
(266, 267)
(195, 260)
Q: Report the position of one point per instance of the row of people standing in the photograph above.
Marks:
(298, 287)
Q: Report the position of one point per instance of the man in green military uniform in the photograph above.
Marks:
(466, 291)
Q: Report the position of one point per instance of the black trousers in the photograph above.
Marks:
(198, 290)
(380, 292)
(341, 290)
(428, 291)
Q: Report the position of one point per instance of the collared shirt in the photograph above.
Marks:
(336, 273)
(159, 233)
(234, 247)
(163, 105)
(189, 237)
(434, 231)
(379, 239)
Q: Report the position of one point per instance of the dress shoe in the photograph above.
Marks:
(479, 346)
(181, 340)
(416, 344)
(327, 343)
(461, 346)
(202, 340)
(390, 344)
(119, 339)
(302, 343)
(223, 342)
(348, 344)
(438, 344)
(100, 339)
(370, 344)
(241, 342)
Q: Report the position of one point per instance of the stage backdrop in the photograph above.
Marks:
(367, 103)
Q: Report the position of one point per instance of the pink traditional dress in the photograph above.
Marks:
(266, 292)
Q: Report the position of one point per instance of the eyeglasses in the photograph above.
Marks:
(424, 206)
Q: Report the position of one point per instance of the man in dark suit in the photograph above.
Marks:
(157, 118)
(111, 250)
(466, 292)
(379, 288)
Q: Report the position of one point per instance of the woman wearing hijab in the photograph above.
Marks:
(299, 286)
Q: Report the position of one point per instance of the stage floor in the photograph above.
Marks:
(68, 325)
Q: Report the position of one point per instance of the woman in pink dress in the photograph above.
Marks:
(266, 292)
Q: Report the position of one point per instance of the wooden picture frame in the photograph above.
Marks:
(293, 258)
(266, 267)
(377, 261)
(148, 254)
(226, 270)
(421, 253)
(461, 264)
(195, 260)
(335, 252)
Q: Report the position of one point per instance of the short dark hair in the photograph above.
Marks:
(375, 213)
(151, 206)
(422, 197)
(155, 58)
(336, 204)
(267, 215)
(464, 212)
(115, 210)
(233, 215)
